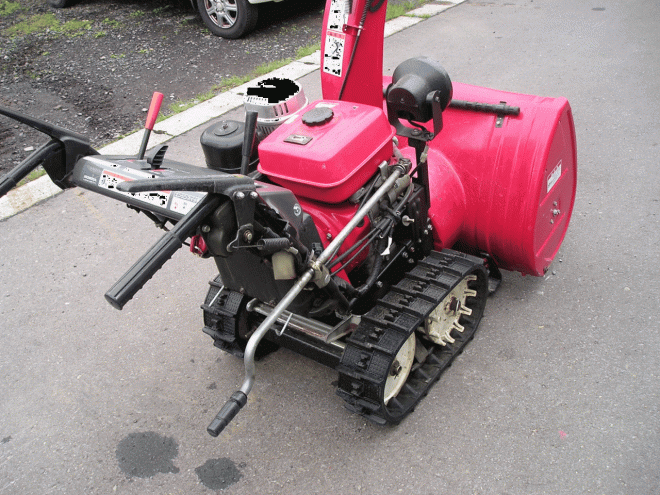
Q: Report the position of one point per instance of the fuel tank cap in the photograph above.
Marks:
(225, 128)
(317, 116)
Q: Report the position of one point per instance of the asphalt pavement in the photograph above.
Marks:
(557, 394)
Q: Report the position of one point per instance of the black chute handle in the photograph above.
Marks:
(248, 140)
(154, 259)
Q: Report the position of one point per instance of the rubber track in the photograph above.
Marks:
(372, 347)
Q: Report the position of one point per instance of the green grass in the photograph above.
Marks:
(400, 9)
(76, 27)
(113, 23)
(34, 175)
(307, 50)
(231, 82)
(7, 8)
(34, 24)
(44, 22)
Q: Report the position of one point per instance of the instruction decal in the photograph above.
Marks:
(111, 179)
(338, 15)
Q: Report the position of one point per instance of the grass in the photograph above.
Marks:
(8, 8)
(234, 81)
(112, 23)
(400, 9)
(47, 22)
(34, 175)
(307, 50)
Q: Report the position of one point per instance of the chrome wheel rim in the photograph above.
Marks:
(223, 13)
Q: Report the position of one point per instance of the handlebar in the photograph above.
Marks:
(11, 179)
(154, 259)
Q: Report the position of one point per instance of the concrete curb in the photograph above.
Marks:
(43, 188)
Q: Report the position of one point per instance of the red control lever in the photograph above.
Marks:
(154, 108)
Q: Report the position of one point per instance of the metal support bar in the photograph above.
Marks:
(233, 406)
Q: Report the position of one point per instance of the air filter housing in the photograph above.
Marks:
(274, 99)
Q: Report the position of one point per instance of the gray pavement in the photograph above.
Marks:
(557, 394)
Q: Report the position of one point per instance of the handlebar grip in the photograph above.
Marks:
(145, 268)
(227, 413)
(154, 259)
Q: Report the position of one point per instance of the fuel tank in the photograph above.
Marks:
(327, 151)
(504, 185)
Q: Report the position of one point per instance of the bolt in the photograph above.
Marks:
(411, 261)
(396, 368)
(328, 236)
(247, 236)
(206, 229)
(556, 212)
(254, 195)
(416, 132)
(239, 195)
(379, 284)
(404, 254)
(426, 232)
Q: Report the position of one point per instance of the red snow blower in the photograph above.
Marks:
(365, 230)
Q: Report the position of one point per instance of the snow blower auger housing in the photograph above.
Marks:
(365, 230)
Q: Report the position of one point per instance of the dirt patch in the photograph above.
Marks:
(94, 68)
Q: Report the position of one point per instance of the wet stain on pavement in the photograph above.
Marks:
(145, 454)
(218, 474)
(6, 439)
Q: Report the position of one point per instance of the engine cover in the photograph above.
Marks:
(327, 151)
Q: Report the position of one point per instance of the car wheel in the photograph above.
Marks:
(58, 4)
(228, 18)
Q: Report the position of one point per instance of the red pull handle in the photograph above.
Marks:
(154, 108)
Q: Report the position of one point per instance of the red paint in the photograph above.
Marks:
(489, 185)
(154, 108)
(363, 84)
(339, 158)
(330, 219)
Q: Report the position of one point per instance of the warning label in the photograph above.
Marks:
(554, 176)
(333, 54)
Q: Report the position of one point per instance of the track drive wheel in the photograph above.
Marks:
(411, 336)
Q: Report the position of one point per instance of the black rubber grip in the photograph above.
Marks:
(227, 413)
(11, 179)
(154, 259)
(475, 106)
(145, 268)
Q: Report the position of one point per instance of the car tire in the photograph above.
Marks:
(228, 18)
(58, 4)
